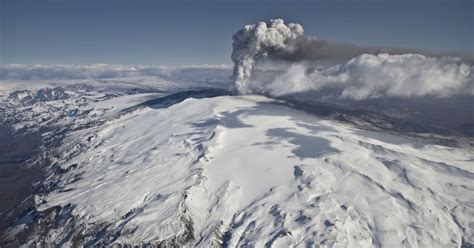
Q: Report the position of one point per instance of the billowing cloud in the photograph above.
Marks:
(254, 42)
(373, 76)
(368, 73)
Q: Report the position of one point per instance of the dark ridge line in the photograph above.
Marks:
(175, 98)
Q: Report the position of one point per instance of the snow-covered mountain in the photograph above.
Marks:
(178, 161)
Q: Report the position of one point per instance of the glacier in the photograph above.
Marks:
(172, 160)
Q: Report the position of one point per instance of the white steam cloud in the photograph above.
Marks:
(362, 77)
(372, 76)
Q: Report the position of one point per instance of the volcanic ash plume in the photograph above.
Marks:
(362, 72)
(254, 42)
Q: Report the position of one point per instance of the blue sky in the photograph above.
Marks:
(199, 32)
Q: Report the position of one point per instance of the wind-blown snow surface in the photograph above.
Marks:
(166, 157)
(250, 171)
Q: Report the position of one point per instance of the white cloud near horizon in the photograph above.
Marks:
(373, 76)
(94, 71)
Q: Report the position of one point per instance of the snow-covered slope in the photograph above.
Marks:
(246, 171)
(142, 156)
